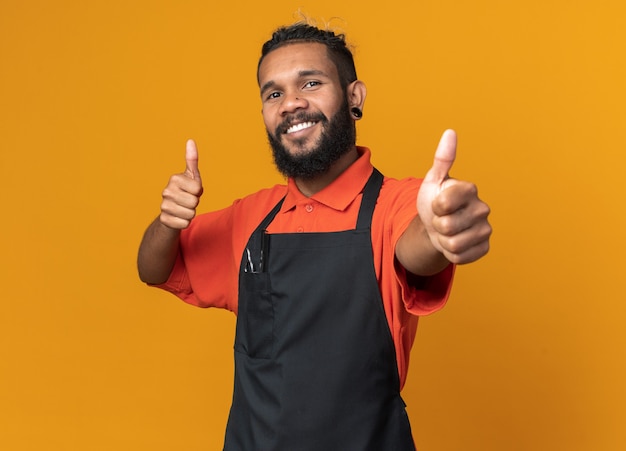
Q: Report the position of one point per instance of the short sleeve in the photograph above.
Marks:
(424, 295)
(421, 295)
(205, 272)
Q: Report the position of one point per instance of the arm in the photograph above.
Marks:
(451, 226)
(159, 247)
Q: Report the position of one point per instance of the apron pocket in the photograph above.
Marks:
(255, 319)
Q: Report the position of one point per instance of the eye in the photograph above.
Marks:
(273, 95)
(312, 84)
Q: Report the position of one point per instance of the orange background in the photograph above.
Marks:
(97, 99)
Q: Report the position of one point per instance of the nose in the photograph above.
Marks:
(292, 102)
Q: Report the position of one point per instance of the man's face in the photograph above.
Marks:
(305, 110)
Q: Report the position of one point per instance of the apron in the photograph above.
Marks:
(315, 364)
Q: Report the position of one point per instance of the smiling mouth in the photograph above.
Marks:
(301, 126)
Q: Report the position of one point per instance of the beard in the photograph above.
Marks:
(337, 138)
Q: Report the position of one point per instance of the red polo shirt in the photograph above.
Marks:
(207, 270)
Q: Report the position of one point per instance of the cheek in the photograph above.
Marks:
(269, 115)
(266, 121)
(332, 108)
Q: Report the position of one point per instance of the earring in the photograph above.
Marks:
(357, 113)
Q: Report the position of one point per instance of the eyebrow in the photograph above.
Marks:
(301, 74)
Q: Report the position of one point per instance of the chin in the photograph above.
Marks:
(299, 148)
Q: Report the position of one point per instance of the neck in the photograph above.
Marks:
(309, 187)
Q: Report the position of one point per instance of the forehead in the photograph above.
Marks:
(292, 59)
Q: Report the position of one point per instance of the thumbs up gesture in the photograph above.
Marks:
(182, 194)
(453, 216)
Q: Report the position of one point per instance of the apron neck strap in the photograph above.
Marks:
(370, 196)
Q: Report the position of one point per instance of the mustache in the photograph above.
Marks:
(299, 117)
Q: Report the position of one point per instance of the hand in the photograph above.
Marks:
(451, 212)
(182, 194)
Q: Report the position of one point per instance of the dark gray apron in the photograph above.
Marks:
(315, 364)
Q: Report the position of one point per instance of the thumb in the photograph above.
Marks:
(191, 158)
(444, 158)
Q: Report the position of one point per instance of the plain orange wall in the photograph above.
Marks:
(97, 99)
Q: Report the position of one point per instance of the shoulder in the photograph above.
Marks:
(396, 206)
(262, 198)
(397, 192)
(242, 214)
(256, 206)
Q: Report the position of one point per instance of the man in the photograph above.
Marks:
(328, 274)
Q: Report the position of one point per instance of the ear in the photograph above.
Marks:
(355, 93)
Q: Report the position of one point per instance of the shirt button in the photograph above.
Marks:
(309, 208)
(300, 229)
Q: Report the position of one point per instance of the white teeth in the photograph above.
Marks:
(301, 126)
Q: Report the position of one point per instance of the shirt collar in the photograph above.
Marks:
(342, 191)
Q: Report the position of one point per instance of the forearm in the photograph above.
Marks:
(157, 252)
(416, 253)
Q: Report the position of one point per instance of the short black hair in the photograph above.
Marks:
(336, 47)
